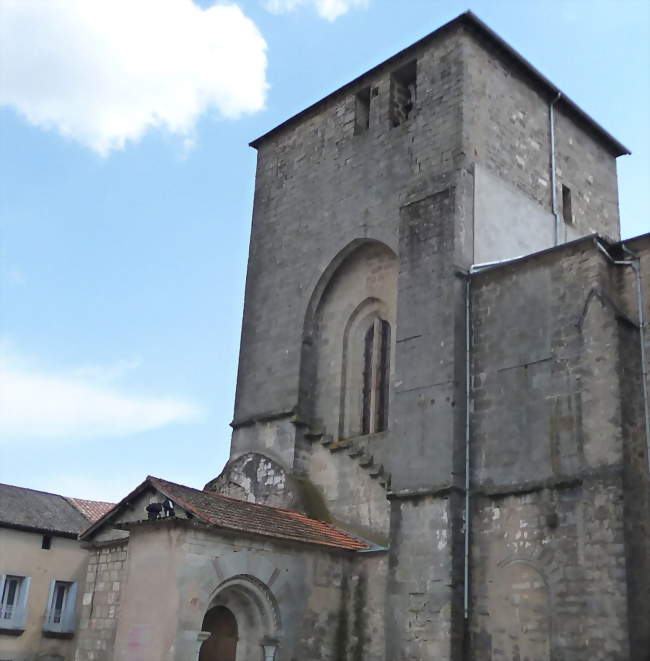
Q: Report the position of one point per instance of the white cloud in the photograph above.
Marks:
(103, 72)
(328, 9)
(38, 405)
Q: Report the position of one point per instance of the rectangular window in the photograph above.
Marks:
(567, 212)
(362, 111)
(403, 88)
(60, 614)
(46, 542)
(13, 601)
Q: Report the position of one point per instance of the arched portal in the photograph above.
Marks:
(222, 643)
(242, 617)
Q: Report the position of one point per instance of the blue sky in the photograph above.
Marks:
(126, 193)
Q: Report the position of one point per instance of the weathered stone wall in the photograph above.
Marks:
(320, 187)
(353, 499)
(548, 575)
(636, 473)
(257, 479)
(549, 436)
(557, 482)
(319, 598)
(100, 602)
(428, 403)
(424, 589)
(506, 126)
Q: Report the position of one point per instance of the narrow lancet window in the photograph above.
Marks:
(368, 355)
(383, 378)
(376, 378)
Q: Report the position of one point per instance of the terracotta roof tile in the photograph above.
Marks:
(93, 510)
(232, 514)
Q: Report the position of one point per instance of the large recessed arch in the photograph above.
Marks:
(326, 277)
(365, 270)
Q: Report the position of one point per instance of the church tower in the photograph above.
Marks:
(379, 363)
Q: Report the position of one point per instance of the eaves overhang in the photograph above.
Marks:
(38, 530)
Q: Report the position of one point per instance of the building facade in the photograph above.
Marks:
(41, 568)
(442, 354)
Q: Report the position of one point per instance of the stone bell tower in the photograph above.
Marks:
(359, 387)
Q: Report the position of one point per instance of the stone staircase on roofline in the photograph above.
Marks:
(358, 450)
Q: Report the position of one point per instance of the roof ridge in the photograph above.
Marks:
(59, 495)
(90, 500)
(239, 500)
(47, 493)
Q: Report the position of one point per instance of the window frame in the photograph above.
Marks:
(66, 620)
(16, 621)
(376, 377)
(366, 371)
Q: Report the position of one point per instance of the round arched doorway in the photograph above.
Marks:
(243, 622)
(222, 643)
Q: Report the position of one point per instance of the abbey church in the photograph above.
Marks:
(441, 428)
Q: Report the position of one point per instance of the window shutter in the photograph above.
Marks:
(47, 624)
(68, 619)
(21, 612)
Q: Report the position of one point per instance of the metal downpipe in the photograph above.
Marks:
(551, 130)
(635, 265)
(468, 401)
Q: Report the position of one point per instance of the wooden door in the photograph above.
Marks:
(222, 644)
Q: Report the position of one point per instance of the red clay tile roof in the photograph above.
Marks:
(232, 514)
(93, 510)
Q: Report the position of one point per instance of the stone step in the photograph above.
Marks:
(355, 451)
(337, 446)
(365, 460)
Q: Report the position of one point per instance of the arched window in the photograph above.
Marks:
(376, 377)
(365, 382)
